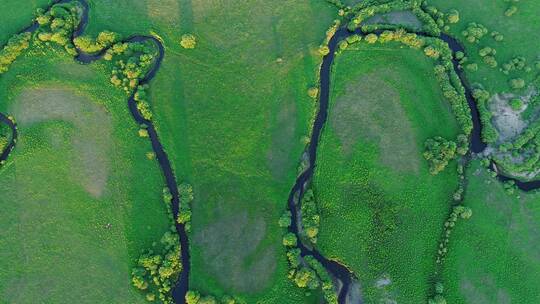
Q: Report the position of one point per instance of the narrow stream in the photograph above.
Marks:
(337, 270)
(182, 285)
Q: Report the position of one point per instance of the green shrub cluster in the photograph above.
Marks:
(517, 83)
(141, 98)
(523, 154)
(457, 213)
(510, 11)
(497, 36)
(14, 47)
(157, 269)
(58, 24)
(438, 152)
(517, 63)
(488, 56)
(89, 45)
(474, 32)
(310, 217)
(185, 191)
(4, 137)
(441, 19)
(138, 59)
(454, 93)
(363, 12)
(400, 35)
(438, 298)
(305, 271)
(195, 297)
(489, 133)
(188, 41)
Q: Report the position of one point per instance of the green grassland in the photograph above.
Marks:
(381, 210)
(16, 15)
(232, 114)
(79, 198)
(493, 257)
(519, 31)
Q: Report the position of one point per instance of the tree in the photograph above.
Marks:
(511, 11)
(188, 41)
(313, 92)
(285, 219)
(453, 16)
(306, 277)
(192, 297)
(517, 83)
(431, 51)
(371, 38)
(324, 50)
(438, 152)
(516, 104)
(289, 240)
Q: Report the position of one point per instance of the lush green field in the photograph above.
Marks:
(232, 114)
(16, 15)
(494, 256)
(518, 31)
(381, 210)
(79, 198)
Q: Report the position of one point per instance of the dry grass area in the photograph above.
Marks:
(91, 130)
(230, 248)
(368, 109)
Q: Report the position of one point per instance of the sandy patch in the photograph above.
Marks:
(91, 139)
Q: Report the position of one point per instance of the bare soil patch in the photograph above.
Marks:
(91, 140)
(164, 10)
(278, 156)
(370, 109)
(229, 247)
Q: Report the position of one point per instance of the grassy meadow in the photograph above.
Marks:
(381, 210)
(16, 15)
(493, 257)
(232, 114)
(518, 31)
(79, 198)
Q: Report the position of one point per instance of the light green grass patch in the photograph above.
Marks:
(493, 256)
(80, 198)
(381, 210)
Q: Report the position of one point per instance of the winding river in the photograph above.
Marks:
(182, 285)
(337, 270)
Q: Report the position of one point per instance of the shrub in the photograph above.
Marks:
(289, 240)
(517, 83)
(474, 32)
(310, 216)
(14, 47)
(510, 11)
(516, 104)
(324, 50)
(438, 152)
(285, 220)
(453, 16)
(371, 38)
(188, 41)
